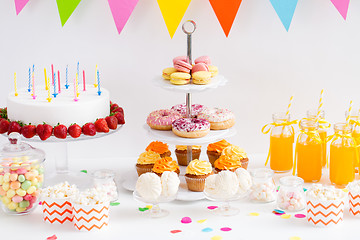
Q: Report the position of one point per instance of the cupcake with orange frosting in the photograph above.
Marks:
(146, 162)
(165, 164)
(181, 153)
(196, 173)
(214, 150)
(160, 148)
(225, 162)
(237, 152)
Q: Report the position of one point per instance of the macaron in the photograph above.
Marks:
(182, 66)
(214, 70)
(201, 77)
(203, 59)
(180, 78)
(182, 58)
(199, 67)
(167, 72)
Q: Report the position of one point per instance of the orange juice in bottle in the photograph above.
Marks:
(343, 155)
(355, 123)
(309, 151)
(281, 143)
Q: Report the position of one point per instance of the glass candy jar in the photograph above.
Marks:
(104, 180)
(21, 176)
(263, 188)
(291, 195)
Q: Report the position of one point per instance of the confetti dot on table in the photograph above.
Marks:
(305, 189)
(278, 211)
(40, 203)
(175, 231)
(186, 220)
(279, 214)
(149, 206)
(345, 190)
(286, 216)
(212, 207)
(143, 209)
(53, 237)
(207, 230)
(83, 171)
(295, 238)
(202, 221)
(300, 216)
(254, 214)
(216, 238)
(225, 229)
(114, 204)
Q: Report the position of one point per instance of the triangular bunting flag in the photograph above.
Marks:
(19, 5)
(342, 6)
(225, 11)
(121, 11)
(285, 9)
(173, 11)
(66, 8)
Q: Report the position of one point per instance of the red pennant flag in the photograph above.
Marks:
(19, 5)
(225, 11)
(121, 11)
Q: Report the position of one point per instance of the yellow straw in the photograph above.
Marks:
(349, 113)
(320, 104)
(15, 84)
(95, 82)
(289, 106)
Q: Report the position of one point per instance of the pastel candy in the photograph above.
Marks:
(25, 185)
(17, 199)
(12, 206)
(21, 192)
(28, 197)
(13, 177)
(20, 209)
(15, 185)
(2, 192)
(24, 204)
(21, 171)
(29, 176)
(10, 193)
(31, 190)
(21, 178)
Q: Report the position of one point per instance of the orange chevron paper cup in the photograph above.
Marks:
(89, 218)
(325, 213)
(354, 203)
(57, 211)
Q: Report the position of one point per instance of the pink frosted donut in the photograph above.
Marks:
(162, 119)
(219, 118)
(191, 127)
(195, 109)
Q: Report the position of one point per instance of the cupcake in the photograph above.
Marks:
(165, 164)
(160, 148)
(235, 151)
(181, 154)
(214, 150)
(196, 173)
(146, 162)
(225, 162)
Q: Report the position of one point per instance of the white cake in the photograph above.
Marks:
(62, 109)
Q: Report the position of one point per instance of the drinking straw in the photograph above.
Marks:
(320, 104)
(289, 106)
(349, 113)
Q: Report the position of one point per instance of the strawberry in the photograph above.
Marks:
(74, 130)
(4, 126)
(118, 109)
(101, 125)
(113, 107)
(112, 122)
(14, 127)
(120, 117)
(60, 131)
(89, 129)
(28, 131)
(44, 131)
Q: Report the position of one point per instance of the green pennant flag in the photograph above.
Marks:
(66, 8)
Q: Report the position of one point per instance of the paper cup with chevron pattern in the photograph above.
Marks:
(325, 213)
(91, 217)
(57, 211)
(354, 203)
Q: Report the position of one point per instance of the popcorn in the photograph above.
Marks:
(318, 192)
(354, 187)
(91, 196)
(61, 190)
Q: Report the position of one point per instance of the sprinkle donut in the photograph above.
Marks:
(162, 119)
(191, 127)
(219, 118)
(195, 109)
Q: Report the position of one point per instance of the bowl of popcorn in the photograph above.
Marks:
(354, 198)
(325, 205)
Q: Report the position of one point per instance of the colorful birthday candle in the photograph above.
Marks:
(77, 68)
(84, 81)
(98, 83)
(29, 87)
(15, 85)
(55, 93)
(33, 85)
(67, 81)
(48, 89)
(59, 84)
(52, 74)
(75, 90)
(96, 70)
(77, 85)
(46, 85)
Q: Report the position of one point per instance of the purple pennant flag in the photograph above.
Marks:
(121, 11)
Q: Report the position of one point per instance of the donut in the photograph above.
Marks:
(191, 127)
(195, 109)
(219, 118)
(162, 119)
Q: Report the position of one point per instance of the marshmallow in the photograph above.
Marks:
(263, 192)
(169, 183)
(149, 186)
(244, 178)
(223, 185)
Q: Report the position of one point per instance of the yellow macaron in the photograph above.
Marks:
(180, 78)
(201, 77)
(167, 72)
(214, 70)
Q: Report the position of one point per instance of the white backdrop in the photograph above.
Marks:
(265, 64)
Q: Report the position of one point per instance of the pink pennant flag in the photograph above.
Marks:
(121, 11)
(342, 6)
(19, 5)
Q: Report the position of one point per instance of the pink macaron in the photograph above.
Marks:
(182, 58)
(200, 67)
(182, 66)
(203, 59)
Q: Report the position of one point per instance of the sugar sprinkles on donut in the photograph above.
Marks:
(191, 127)
(162, 119)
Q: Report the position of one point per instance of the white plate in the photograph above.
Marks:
(184, 194)
(217, 81)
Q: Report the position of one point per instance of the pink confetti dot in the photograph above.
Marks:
(175, 231)
(53, 237)
(186, 220)
(225, 229)
(212, 207)
(300, 216)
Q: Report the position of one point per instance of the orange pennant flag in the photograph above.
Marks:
(225, 11)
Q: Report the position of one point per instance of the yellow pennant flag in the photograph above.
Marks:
(173, 11)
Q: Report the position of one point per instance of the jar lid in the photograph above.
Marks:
(291, 181)
(16, 153)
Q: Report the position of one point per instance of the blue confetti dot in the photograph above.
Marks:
(207, 230)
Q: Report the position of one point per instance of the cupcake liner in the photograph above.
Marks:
(182, 157)
(57, 211)
(92, 217)
(195, 184)
(213, 157)
(142, 170)
(244, 163)
(354, 203)
(325, 213)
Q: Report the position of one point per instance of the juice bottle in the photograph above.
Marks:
(343, 155)
(281, 143)
(309, 151)
(354, 121)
